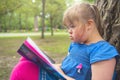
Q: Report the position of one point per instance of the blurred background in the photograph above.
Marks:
(27, 15)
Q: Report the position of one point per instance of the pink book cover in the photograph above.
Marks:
(37, 52)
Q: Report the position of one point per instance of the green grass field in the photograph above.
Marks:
(56, 47)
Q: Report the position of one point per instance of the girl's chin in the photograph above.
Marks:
(73, 40)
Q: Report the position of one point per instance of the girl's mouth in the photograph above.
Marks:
(70, 37)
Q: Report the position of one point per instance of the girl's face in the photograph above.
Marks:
(78, 32)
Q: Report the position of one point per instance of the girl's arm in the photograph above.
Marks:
(57, 66)
(103, 70)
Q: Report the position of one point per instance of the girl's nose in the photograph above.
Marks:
(70, 31)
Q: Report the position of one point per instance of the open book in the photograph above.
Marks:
(30, 51)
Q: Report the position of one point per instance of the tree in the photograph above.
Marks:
(7, 7)
(19, 14)
(43, 17)
(110, 12)
(55, 9)
(36, 6)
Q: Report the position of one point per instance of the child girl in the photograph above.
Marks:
(90, 57)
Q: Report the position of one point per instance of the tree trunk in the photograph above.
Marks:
(43, 17)
(20, 22)
(0, 25)
(10, 20)
(51, 22)
(26, 22)
(5, 24)
(36, 23)
(110, 12)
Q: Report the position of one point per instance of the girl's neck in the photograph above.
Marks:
(94, 38)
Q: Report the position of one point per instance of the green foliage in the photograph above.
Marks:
(89, 1)
(54, 11)
(7, 6)
(70, 2)
(20, 14)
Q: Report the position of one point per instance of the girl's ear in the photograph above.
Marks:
(90, 24)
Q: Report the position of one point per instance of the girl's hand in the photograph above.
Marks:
(69, 78)
(57, 66)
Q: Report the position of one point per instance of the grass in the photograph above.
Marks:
(55, 46)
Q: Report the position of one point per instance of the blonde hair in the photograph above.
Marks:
(83, 12)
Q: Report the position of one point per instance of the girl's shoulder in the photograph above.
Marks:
(101, 45)
(101, 50)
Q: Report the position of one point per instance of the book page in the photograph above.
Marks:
(40, 53)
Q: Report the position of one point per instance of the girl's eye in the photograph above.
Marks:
(71, 26)
(67, 28)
